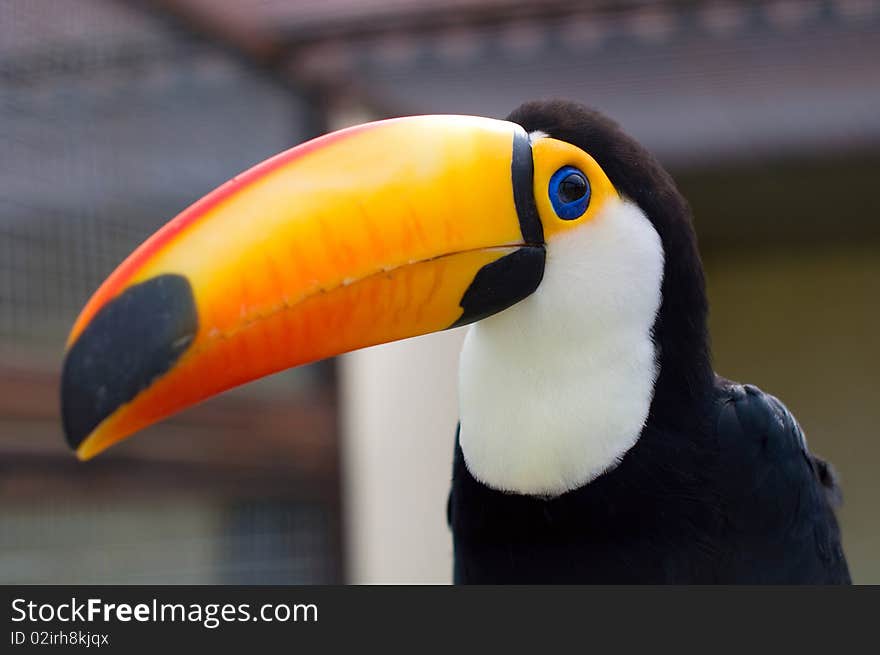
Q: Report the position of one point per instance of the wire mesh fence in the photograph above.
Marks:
(112, 120)
(110, 123)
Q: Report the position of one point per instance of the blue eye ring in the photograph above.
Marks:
(569, 193)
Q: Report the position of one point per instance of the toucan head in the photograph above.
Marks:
(367, 235)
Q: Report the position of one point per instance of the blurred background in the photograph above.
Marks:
(117, 114)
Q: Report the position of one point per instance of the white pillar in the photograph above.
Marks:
(399, 411)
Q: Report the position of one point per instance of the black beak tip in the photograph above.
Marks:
(131, 341)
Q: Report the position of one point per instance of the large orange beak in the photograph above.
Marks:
(371, 234)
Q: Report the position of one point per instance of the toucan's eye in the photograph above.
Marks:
(569, 193)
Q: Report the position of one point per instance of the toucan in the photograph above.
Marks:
(595, 442)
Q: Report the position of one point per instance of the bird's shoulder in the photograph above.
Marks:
(770, 482)
(755, 426)
(747, 416)
(756, 429)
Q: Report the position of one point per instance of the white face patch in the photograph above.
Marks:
(556, 389)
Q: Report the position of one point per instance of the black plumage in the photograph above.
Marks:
(719, 488)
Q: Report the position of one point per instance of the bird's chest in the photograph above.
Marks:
(609, 533)
(578, 557)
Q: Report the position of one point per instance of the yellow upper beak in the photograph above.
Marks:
(371, 234)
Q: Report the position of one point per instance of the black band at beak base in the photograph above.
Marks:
(508, 280)
(502, 283)
(522, 172)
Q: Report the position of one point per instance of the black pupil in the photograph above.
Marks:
(572, 188)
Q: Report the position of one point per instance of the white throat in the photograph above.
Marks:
(556, 389)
